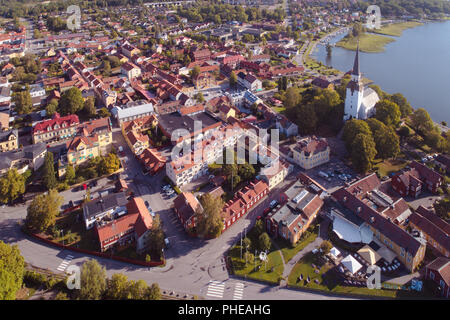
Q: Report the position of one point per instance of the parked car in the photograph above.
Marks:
(71, 203)
(273, 204)
(147, 205)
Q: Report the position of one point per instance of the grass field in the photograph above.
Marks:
(386, 167)
(328, 281)
(397, 28)
(263, 271)
(368, 42)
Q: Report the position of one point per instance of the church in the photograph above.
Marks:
(359, 101)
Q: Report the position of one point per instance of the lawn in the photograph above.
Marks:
(329, 282)
(279, 109)
(289, 251)
(263, 270)
(368, 42)
(396, 29)
(386, 167)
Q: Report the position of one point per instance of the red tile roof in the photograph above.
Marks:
(69, 121)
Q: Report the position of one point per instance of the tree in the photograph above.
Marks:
(117, 287)
(12, 266)
(89, 107)
(12, 184)
(326, 246)
(421, 120)
(199, 97)
(22, 101)
(106, 71)
(104, 113)
(233, 80)
(442, 208)
(363, 152)
(386, 140)
(246, 243)
(48, 176)
(258, 228)
(43, 210)
(352, 128)
(292, 98)
(264, 242)
(307, 119)
(246, 171)
(209, 220)
(70, 174)
(51, 107)
(93, 281)
(400, 100)
(109, 164)
(324, 103)
(387, 112)
(71, 101)
(153, 292)
(156, 236)
(137, 290)
(195, 72)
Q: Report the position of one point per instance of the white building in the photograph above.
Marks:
(359, 101)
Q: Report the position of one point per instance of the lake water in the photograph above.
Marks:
(417, 65)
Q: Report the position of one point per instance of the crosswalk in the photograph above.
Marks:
(65, 263)
(238, 291)
(215, 289)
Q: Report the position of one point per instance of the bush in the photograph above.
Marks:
(63, 186)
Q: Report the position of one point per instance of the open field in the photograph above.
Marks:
(368, 42)
(396, 29)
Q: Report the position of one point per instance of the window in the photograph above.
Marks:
(431, 275)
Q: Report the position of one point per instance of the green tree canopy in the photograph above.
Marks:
(400, 100)
(264, 242)
(93, 281)
(43, 210)
(421, 120)
(71, 101)
(352, 128)
(387, 112)
(153, 292)
(48, 176)
(209, 220)
(12, 184)
(233, 79)
(12, 266)
(22, 101)
(386, 140)
(363, 152)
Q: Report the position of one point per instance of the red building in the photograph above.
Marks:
(415, 180)
(438, 271)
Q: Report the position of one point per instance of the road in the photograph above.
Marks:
(191, 263)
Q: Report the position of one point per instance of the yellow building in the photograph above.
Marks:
(9, 140)
(225, 112)
(81, 149)
(311, 152)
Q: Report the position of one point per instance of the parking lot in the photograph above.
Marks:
(335, 167)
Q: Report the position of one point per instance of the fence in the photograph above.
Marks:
(94, 253)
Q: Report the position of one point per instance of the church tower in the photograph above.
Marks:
(354, 92)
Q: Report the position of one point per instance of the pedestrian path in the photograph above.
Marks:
(215, 289)
(65, 263)
(238, 291)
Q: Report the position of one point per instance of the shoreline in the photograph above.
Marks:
(375, 41)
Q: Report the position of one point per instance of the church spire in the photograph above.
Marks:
(355, 70)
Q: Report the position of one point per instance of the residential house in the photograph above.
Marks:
(28, 157)
(418, 178)
(443, 161)
(152, 161)
(9, 140)
(137, 142)
(286, 127)
(438, 271)
(311, 152)
(290, 220)
(275, 173)
(130, 70)
(185, 206)
(133, 227)
(435, 230)
(57, 128)
(110, 206)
